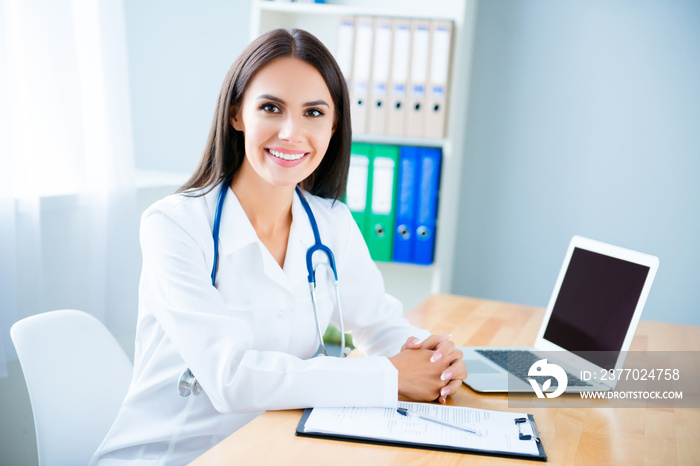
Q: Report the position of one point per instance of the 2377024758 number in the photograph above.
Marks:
(612, 375)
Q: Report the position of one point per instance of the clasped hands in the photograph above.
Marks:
(430, 369)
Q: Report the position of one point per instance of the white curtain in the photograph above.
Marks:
(68, 234)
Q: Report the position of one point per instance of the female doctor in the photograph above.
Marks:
(282, 121)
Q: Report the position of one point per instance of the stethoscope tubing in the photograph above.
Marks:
(187, 383)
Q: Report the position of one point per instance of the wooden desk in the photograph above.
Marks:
(570, 435)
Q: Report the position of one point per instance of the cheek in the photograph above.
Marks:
(256, 134)
(322, 137)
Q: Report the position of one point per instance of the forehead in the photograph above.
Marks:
(289, 78)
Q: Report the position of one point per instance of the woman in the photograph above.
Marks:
(282, 121)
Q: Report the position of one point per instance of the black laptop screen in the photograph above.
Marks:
(595, 305)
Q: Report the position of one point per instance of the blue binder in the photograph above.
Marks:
(427, 202)
(404, 231)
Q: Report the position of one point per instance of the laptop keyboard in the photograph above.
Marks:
(520, 363)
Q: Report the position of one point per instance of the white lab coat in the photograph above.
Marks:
(250, 340)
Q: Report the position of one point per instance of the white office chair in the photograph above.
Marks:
(77, 376)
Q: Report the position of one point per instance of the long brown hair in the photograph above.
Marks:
(225, 148)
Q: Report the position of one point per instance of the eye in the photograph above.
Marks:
(314, 112)
(269, 108)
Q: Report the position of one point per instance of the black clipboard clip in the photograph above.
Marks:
(521, 420)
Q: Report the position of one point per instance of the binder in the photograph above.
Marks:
(400, 63)
(501, 433)
(345, 47)
(436, 103)
(361, 69)
(356, 194)
(427, 203)
(404, 231)
(384, 164)
(381, 67)
(418, 77)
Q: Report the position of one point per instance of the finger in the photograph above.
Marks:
(412, 343)
(433, 341)
(457, 371)
(458, 362)
(451, 357)
(450, 389)
(447, 345)
(446, 349)
(454, 386)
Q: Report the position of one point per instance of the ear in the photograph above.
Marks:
(235, 119)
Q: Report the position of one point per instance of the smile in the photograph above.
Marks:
(288, 156)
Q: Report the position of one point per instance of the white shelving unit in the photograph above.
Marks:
(409, 283)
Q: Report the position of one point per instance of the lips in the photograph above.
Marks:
(286, 157)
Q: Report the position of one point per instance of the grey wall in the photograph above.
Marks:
(179, 53)
(584, 119)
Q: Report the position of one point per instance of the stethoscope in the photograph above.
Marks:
(187, 383)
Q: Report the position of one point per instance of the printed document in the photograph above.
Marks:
(496, 430)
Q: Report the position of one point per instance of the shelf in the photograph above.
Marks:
(409, 282)
(398, 140)
(404, 10)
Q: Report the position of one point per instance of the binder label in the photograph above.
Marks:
(400, 89)
(439, 92)
(383, 186)
(357, 183)
(418, 90)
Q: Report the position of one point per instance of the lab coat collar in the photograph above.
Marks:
(301, 238)
(301, 230)
(236, 232)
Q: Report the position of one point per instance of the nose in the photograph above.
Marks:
(291, 129)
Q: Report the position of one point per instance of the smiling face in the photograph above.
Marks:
(287, 117)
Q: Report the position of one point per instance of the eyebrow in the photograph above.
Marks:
(313, 103)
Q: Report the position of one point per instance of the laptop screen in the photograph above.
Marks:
(595, 305)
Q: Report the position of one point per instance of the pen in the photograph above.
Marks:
(406, 412)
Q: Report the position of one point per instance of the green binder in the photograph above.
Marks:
(357, 192)
(384, 162)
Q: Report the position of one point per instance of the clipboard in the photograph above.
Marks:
(521, 426)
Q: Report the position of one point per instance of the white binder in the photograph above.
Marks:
(345, 46)
(361, 69)
(418, 78)
(436, 103)
(400, 67)
(381, 68)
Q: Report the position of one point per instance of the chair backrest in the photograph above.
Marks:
(77, 376)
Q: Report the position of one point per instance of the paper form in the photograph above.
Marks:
(497, 429)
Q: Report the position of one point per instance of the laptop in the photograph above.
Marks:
(588, 325)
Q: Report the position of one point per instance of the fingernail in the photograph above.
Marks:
(445, 391)
(447, 375)
(416, 341)
(436, 357)
(446, 335)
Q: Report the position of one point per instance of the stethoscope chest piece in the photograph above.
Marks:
(187, 384)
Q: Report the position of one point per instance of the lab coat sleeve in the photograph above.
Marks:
(374, 318)
(217, 345)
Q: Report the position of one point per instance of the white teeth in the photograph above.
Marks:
(284, 156)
